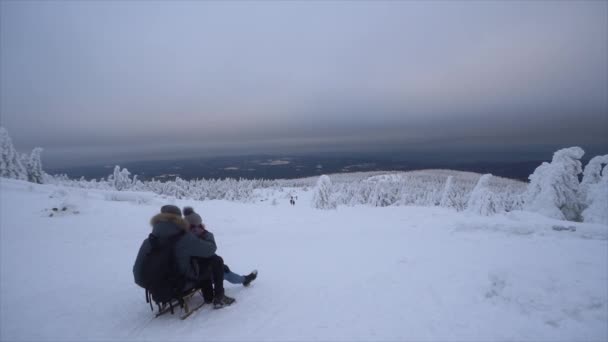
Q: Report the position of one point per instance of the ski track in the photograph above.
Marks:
(360, 273)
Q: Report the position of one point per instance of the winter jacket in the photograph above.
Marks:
(165, 225)
(203, 234)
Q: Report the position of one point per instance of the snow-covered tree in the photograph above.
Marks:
(10, 160)
(593, 169)
(597, 197)
(121, 179)
(592, 175)
(554, 189)
(448, 196)
(34, 166)
(321, 198)
(482, 201)
(383, 194)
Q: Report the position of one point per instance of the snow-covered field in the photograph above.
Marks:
(354, 273)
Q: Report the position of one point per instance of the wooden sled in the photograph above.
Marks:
(184, 302)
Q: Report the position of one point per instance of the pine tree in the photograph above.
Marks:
(34, 166)
(10, 160)
(448, 196)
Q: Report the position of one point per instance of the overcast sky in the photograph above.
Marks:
(96, 80)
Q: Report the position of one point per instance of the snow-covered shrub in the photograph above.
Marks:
(58, 193)
(482, 201)
(321, 198)
(554, 187)
(597, 196)
(128, 196)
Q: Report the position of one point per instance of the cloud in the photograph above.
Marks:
(208, 76)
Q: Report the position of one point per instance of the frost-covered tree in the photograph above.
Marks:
(10, 160)
(593, 169)
(321, 198)
(482, 201)
(448, 196)
(384, 194)
(554, 189)
(121, 179)
(592, 175)
(34, 166)
(597, 196)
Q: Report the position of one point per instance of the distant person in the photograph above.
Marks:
(169, 225)
(198, 228)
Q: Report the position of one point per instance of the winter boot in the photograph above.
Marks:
(250, 277)
(222, 301)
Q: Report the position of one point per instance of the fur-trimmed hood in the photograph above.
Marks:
(172, 219)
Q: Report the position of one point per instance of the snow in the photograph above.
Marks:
(275, 162)
(354, 273)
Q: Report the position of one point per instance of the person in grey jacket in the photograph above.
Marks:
(198, 228)
(170, 223)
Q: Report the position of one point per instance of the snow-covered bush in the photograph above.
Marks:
(597, 197)
(482, 201)
(322, 198)
(554, 187)
(129, 196)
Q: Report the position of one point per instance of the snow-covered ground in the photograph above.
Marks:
(354, 273)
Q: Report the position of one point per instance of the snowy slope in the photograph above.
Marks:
(355, 273)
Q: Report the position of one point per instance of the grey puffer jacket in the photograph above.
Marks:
(164, 226)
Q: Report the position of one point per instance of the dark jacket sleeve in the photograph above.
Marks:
(137, 267)
(191, 246)
(195, 247)
(208, 236)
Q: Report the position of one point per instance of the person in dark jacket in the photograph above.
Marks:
(198, 228)
(169, 223)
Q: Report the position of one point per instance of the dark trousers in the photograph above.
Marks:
(212, 277)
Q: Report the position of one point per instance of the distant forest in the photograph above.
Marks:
(290, 167)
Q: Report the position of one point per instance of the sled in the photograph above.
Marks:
(185, 302)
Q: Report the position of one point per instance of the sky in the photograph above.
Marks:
(101, 81)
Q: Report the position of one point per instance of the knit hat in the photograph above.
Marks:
(193, 218)
(171, 209)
